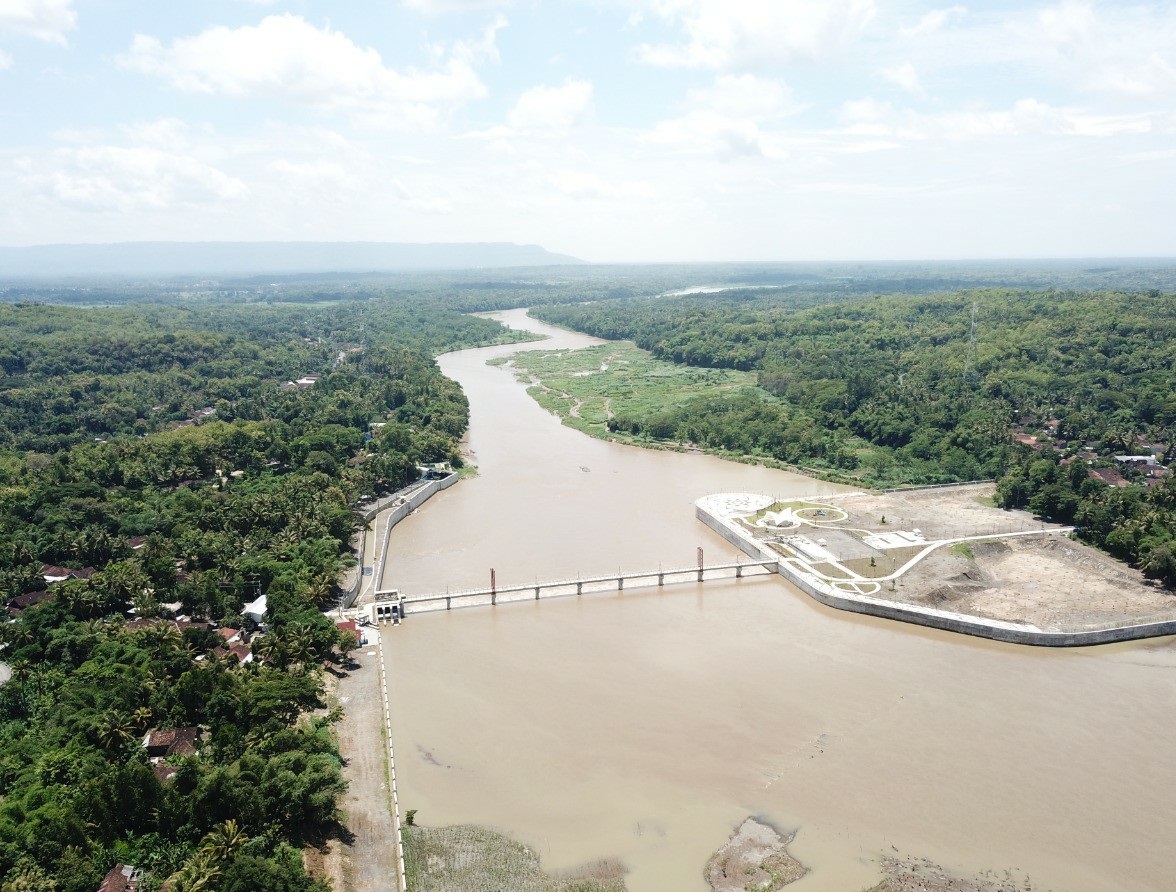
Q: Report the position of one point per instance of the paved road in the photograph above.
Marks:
(5, 673)
(373, 850)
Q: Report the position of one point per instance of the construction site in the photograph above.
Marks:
(949, 549)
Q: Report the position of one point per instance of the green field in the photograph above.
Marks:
(588, 387)
(665, 405)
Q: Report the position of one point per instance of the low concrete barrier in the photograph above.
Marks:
(406, 501)
(997, 630)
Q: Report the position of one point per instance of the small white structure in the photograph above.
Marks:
(255, 610)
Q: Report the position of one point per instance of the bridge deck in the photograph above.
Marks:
(576, 586)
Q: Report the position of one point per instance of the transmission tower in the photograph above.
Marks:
(362, 344)
(971, 355)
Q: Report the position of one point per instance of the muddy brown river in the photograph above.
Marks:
(645, 726)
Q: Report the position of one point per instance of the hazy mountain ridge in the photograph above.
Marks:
(243, 258)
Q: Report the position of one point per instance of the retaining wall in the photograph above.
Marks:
(1013, 633)
(409, 501)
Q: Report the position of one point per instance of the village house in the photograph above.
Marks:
(1136, 460)
(52, 574)
(163, 742)
(1109, 476)
(122, 878)
(24, 602)
(240, 651)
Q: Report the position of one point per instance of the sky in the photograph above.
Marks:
(648, 130)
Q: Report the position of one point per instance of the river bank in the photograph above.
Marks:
(644, 726)
(616, 391)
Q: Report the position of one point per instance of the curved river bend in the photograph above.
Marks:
(645, 726)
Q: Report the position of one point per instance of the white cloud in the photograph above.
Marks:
(485, 47)
(5, 60)
(1130, 50)
(728, 118)
(322, 176)
(581, 184)
(46, 19)
(551, 111)
(733, 35)
(905, 76)
(872, 119)
(285, 57)
(745, 95)
(435, 7)
(430, 204)
(106, 178)
(1068, 22)
(934, 21)
(161, 133)
(710, 133)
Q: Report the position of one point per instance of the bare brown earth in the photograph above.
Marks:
(1052, 582)
(911, 875)
(755, 857)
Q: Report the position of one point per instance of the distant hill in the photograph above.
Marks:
(258, 258)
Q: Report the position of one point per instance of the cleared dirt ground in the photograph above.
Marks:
(1052, 582)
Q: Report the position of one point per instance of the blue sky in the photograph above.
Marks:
(614, 131)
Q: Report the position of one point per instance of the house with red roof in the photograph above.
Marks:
(122, 878)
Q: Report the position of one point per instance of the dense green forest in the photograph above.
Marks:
(932, 388)
(105, 471)
(158, 449)
(1136, 524)
(907, 376)
(137, 369)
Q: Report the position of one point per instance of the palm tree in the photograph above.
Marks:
(223, 840)
(146, 604)
(142, 718)
(113, 731)
(198, 874)
(266, 648)
(123, 579)
(164, 636)
(320, 589)
(1119, 439)
(300, 644)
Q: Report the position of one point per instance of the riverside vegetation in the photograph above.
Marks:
(925, 389)
(104, 469)
(164, 422)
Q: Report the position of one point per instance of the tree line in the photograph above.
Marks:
(197, 519)
(899, 389)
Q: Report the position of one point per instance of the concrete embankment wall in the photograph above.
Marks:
(996, 630)
(406, 501)
(737, 537)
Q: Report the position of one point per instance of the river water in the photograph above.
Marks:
(644, 726)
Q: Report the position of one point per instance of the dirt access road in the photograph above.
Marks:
(369, 862)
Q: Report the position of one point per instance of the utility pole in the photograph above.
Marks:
(970, 357)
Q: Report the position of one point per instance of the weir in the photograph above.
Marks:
(496, 594)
